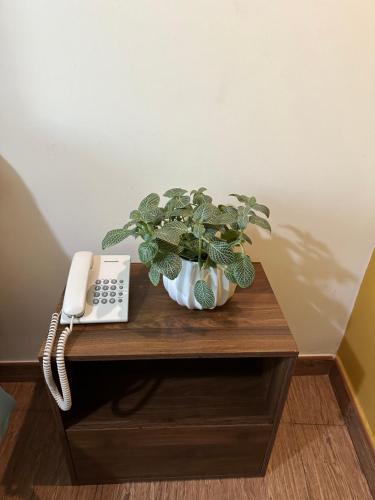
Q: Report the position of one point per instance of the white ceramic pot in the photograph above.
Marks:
(181, 289)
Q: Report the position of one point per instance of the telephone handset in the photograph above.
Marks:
(97, 291)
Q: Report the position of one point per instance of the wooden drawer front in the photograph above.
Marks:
(113, 455)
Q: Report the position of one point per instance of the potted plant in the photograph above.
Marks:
(197, 247)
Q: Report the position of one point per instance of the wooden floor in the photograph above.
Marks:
(313, 457)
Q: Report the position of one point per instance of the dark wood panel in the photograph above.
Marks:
(19, 371)
(358, 434)
(128, 394)
(31, 465)
(251, 323)
(112, 455)
(314, 365)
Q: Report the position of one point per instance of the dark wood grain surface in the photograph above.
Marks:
(308, 462)
(250, 324)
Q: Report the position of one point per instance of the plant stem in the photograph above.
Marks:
(200, 253)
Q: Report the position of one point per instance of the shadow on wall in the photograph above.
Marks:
(32, 264)
(305, 276)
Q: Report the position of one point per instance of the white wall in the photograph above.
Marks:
(102, 102)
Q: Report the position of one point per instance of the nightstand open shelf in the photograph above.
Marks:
(177, 393)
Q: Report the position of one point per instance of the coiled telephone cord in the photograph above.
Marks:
(64, 400)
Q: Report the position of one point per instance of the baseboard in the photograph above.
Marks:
(19, 371)
(314, 365)
(355, 423)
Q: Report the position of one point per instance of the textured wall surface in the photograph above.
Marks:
(104, 102)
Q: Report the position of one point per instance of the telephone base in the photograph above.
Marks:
(107, 291)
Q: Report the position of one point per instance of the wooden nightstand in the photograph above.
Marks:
(176, 393)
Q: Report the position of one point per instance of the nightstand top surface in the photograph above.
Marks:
(250, 324)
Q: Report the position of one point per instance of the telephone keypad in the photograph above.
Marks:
(108, 291)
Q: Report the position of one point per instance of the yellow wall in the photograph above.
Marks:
(357, 349)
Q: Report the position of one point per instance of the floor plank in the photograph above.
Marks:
(311, 401)
(331, 465)
(285, 470)
(313, 457)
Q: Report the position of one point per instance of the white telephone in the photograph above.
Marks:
(97, 291)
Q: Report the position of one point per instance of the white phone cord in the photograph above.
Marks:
(64, 401)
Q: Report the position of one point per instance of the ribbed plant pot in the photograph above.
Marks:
(181, 289)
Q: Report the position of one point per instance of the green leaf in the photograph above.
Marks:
(220, 252)
(243, 216)
(199, 198)
(115, 236)
(147, 251)
(182, 212)
(166, 247)
(169, 265)
(200, 190)
(198, 230)
(172, 231)
(229, 273)
(154, 274)
(204, 295)
(259, 221)
(248, 200)
(171, 193)
(261, 208)
(176, 203)
(148, 208)
(247, 238)
(243, 271)
(230, 235)
(135, 215)
(151, 200)
(229, 214)
(205, 212)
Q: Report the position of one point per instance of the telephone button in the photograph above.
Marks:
(119, 300)
(95, 301)
(104, 301)
(113, 287)
(112, 301)
(113, 281)
(106, 282)
(96, 294)
(98, 288)
(120, 294)
(121, 281)
(113, 294)
(105, 287)
(121, 287)
(98, 282)
(104, 294)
